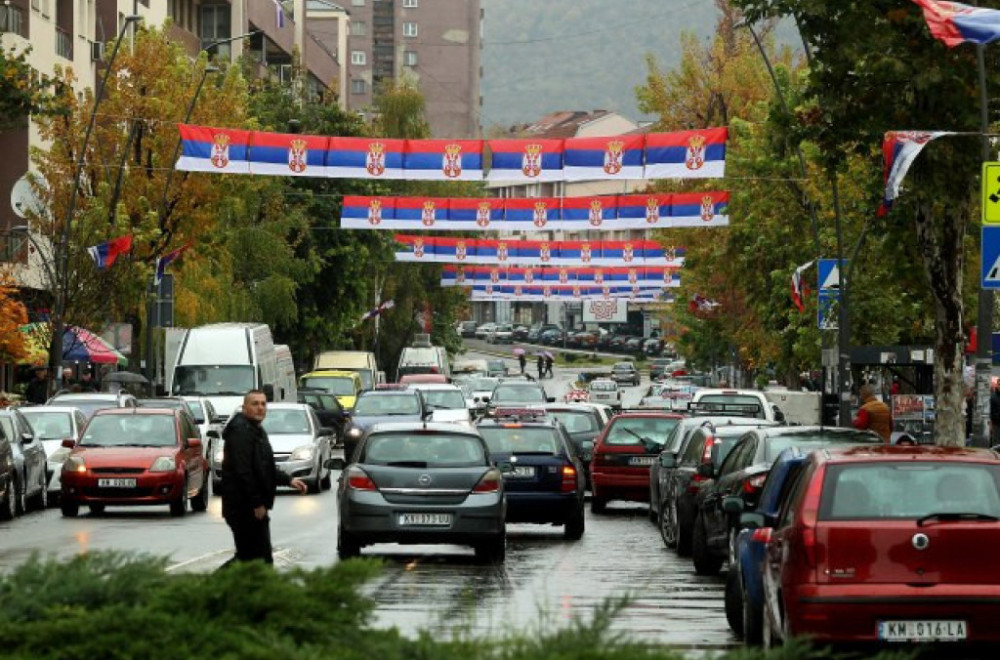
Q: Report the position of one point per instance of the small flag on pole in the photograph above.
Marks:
(899, 150)
(954, 23)
(279, 14)
(166, 260)
(388, 304)
(798, 286)
(104, 254)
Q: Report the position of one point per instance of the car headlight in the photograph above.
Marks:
(354, 432)
(74, 464)
(304, 453)
(59, 455)
(164, 464)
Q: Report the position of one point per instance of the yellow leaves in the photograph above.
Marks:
(13, 347)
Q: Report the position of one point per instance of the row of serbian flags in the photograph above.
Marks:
(105, 254)
(482, 251)
(694, 154)
(545, 293)
(660, 277)
(607, 212)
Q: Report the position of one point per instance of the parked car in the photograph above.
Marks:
(605, 390)
(301, 444)
(484, 330)
(467, 328)
(90, 402)
(52, 425)
(385, 405)
(520, 332)
(31, 483)
(874, 545)
(537, 330)
(8, 480)
(657, 368)
(633, 346)
(583, 423)
(623, 453)
(136, 456)
(552, 337)
(742, 475)
(209, 421)
(652, 346)
(625, 373)
(421, 483)
(501, 334)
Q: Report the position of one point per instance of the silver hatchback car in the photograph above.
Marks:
(421, 483)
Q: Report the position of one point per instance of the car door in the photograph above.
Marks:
(321, 439)
(715, 519)
(193, 462)
(34, 456)
(776, 580)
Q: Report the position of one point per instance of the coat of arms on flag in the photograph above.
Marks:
(633, 276)
(613, 157)
(427, 213)
(460, 250)
(418, 248)
(576, 291)
(598, 276)
(628, 252)
(298, 155)
(501, 251)
(483, 214)
(695, 153)
(596, 211)
(489, 289)
(606, 291)
(670, 253)
(585, 252)
(452, 166)
(544, 252)
(220, 150)
(495, 275)
(652, 211)
(539, 214)
(529, 276)
(707, 208)
(375, 212)
(459, 275)
(375, 159)
(531, 162)
(517, 290)
(563, 276)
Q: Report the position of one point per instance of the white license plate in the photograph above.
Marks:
(116, 483)
(425, 519)
(922, 631)
(642, 460)
(521, 472)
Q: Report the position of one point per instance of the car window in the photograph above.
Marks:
(909, 490)
(423, 449)
(575, 421)
(517, 394)
(731, 463)
(444, 399)
(809, 440)
(706, 401)
(387, 404)
(286, 421)
(7, 426)
(130, 430)
(520, 439)
(50, 425)
(695, 446)
(790, 505)
(190, 430)
(633, 430)
(603, 386)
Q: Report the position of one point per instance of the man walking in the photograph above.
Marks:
(523, 361)
(548, 366)
(873, 414)
(540, 363)
(249, 480)
(38, 388)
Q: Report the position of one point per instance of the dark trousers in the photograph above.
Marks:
(252, 536)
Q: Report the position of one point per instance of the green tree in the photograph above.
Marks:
(23, 91)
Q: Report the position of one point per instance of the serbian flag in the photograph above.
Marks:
(954, 23)
(643, 211)
(388, 304)
(656, 254)
(466, 213)
(285, 154)
(166, 260)
(443, 160)
(617, 157)
(699, 154)
(899, 150)
(798, 292)
(526, 161)
(104, 254)
(365, 158)
(531, 213)
(362, 212)
(206, 149)
(589, 213)
(417, 213)
(704, 209)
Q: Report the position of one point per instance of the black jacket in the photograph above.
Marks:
(37, 391)
(995, 406)
(249, 477)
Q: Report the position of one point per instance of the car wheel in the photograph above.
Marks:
(96, 509)
(216, 486)
(179, 506)
(683, 534)
(668, 524)
(575, 525)
(598, 504)
(752, 625)
(704, 562)
(732, 547)
(312, 485)
(200, 501)
(734, 602)
(69, 509)
(347, 546)
(493, 551)
(40, 501)
(9, 509)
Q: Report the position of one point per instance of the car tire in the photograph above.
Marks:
(216, 486)
(69, 509)
(347, 546)
(683, 534)
(752, 625)
(9, 509)
(598, 504)
(668, 524)
(704, 562)
(575, 525)
(200, 501)
(96, 509)
(734, 602)
(493, 551)
(179, 506)
(40, 501)
(326, 483)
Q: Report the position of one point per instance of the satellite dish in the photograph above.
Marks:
(23, 199)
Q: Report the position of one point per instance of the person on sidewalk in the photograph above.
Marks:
(548, 366)
(523, 361)
(873, 414)
(541, 366)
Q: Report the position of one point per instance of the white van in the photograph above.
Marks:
(423, 360)
(360, 362)
(285, 384)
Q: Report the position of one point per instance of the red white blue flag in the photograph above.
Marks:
(443, 160)
(954, 23)
(698, 154)
(365, 158)
(588, 213)
(364, 212)
(206, 149)
(589, 159)
(468, 213)
(526, 161)
(104, 254)
(798, 292)
(166, 260)
(377, 311)
(899, 150)
(286, 154)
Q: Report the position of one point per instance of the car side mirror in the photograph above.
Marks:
(334, 464)
(706, 470)
(751, 520)
(68, 443)
(27, 438)
(778, 415)
(194, 443)
(588, 447)
(217, 419)
(733, 504)
(199, 420)
(668, 459)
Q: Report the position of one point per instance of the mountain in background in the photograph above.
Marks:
(546, 55)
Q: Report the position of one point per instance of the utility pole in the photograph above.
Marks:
(984, 322)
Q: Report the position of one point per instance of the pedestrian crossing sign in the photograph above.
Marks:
(990, 257)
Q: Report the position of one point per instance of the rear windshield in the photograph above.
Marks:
(341, 385)
(520, 439)
(387, 404)
(446, 399)
(808, 441)
(517, 394)
(909, 490)
(419, 356)
(130, 430)
(574, 421)
(633, 430)
(424, 449)
(87, 406)
(752, 403)
(725, 440)
(603, 386)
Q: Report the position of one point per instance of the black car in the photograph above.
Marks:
(520, 332)
(742, 474)
(468, 329)
(328, 409)
(633, 346)
(543, 477)
(536, 331)
(31, 479)
(625, 373)
(551, 337)
(8, 477)
(395, 404)
(583, 423)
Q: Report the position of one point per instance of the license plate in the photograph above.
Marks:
(425, 519)
(922, 631)
(116, 483)
(520, 472)
(642, 460)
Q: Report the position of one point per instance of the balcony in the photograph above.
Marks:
(12, 20)
(64, 43)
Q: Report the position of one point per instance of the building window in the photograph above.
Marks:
(410, 58)
(410, 3)
(358, 57)
(409, 29)
(357, 87)
(358, 3)
(215, 26)
(358, 28)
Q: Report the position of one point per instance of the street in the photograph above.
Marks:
(545, 579)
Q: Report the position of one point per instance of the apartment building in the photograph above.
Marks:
(435, 42)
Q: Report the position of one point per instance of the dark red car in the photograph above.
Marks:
(136, 456)
(885, 544)
(629, 444)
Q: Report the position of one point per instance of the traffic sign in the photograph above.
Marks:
(829, 278)
(991, 193)
(828, 274)
(990, 257)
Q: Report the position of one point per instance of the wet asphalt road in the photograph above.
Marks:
(545, 580)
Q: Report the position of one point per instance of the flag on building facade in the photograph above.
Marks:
(899, 150)
(798, 290)
(954, 23)
(104, 254)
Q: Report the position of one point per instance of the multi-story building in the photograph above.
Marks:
(437, 42)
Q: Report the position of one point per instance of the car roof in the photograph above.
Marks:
(333, 373)
(438, 387)
(438, 427)
(49, 409)
(397, 391)
(88, 396)
(288, 405)
(104, 412)
(623, 364)
(650, 413)
(919, 453)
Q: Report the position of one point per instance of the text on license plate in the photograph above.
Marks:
(116, 483)
(642, 460)
(922, 631)
(426, 519)
(520, 472)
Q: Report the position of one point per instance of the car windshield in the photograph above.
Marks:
(50, 425)
(636, 430)
(513, 393)
(515, 439)
(173, 404)
(135, 430)
(603, 386)
(423, 450)
(448, 399)
(809, 440)
(623, 367)
(909, 490)
(231, 379)
(481, 385)
(387, 404)
(575, 421)
(341, 385)
(284, 422)
(88, 406)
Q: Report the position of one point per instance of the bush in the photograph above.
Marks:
(569, 358)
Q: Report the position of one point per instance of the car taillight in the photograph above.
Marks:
(568, 479)
(706, 454)
(358, 479)
(490, 483)
(696, 483)
(761, 535)
(751, 486)
(810, 511)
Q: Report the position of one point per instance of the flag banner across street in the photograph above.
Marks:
(697, 154)
(550, 293)
(487, 251)
(526, 214)
(472, 275)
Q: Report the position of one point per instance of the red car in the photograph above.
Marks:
(885, 544)
(629, 444)
(136, 456)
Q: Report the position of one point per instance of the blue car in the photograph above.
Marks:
(744, 584)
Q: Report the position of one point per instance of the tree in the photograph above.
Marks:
(13, 315)
(23, 92)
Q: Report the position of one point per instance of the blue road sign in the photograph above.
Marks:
(828, 287)
(990, 258)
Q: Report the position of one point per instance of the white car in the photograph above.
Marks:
(478, 391)
(731, 402)
(606, 391)
(501, 334)
(52, 425)
(446, 402)
(209, 421)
